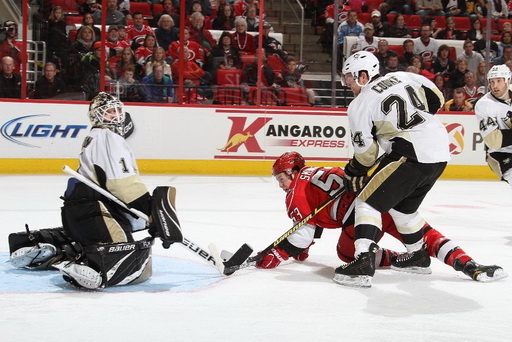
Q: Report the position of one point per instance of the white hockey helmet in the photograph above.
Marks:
(499, 71)
(101, 116)
(360, 61)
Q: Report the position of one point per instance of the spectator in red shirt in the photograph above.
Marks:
(10, 46)
(243, 41)
(199, 34)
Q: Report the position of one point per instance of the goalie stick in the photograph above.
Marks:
(191, 246)
(231, 266)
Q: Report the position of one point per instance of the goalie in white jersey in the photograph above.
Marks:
(394, 112)
(96, 248)
(494, 114)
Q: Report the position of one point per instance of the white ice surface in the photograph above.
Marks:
(295, 302)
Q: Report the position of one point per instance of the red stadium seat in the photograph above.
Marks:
(72, 35)
(142, 7)
(373, 5)
(398, 49)
(453, 53)
(462, 23)
(390, 17)
(276, 63)
(157, 8)
(293, 97)
(413, 21)
(228, 96)
(73, 20)
(268, 96)
(69, 7)
(247, 59)
(228, 77)
(501, 22)
(364, 18)
(441, 21)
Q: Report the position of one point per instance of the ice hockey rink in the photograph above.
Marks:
(188, 300)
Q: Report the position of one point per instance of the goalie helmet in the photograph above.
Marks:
(288, 162)
(499, 71)
(360, 61)
(105, 111)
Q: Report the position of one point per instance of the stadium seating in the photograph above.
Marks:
(364, 18)
(72, 36)
(276, 63)
(228, 77)
(293, 97)
(398, 49)
(413, 21)
(73, 20)
(500, 24)
(228, 96)
(157, 9)
(69, 7)
(268, 96)
(143, 7)
(462, 23)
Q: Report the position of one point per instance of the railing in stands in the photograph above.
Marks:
(300, 19)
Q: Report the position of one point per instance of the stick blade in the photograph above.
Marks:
(219, 263)
(236, 259)
(240, 256)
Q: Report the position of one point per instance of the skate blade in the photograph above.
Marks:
(498, 274)
(353, 281)
(414, 269)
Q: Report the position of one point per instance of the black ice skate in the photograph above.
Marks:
(412, 262)
(479, 272)
(359, 272)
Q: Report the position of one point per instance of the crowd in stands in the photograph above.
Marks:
(422, 23)
(142, 51)
(144, 35)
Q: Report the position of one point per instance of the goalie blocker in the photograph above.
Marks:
(165, 218)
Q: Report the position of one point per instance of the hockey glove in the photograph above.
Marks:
(273, 258)
(304, 254)
(354, 179)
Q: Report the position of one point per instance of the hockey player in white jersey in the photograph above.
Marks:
(494, 114)
(396, 113)
(95, 248)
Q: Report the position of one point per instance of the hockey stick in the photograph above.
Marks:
(191, 246)
(251, 261)
(231, 267)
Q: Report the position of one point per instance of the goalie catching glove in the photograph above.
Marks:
(165, 224)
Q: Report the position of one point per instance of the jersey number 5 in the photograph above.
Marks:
(404, 121)
(326, 181)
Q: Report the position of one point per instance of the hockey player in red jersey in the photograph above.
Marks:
(308, 187)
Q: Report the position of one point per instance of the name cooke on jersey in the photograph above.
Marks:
(385, 84)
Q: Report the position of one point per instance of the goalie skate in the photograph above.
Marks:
(32, 256)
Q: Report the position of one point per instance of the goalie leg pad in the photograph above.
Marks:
(165, 218)
(40, 249)
(107, 265)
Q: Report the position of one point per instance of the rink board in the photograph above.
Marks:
(40, 137)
